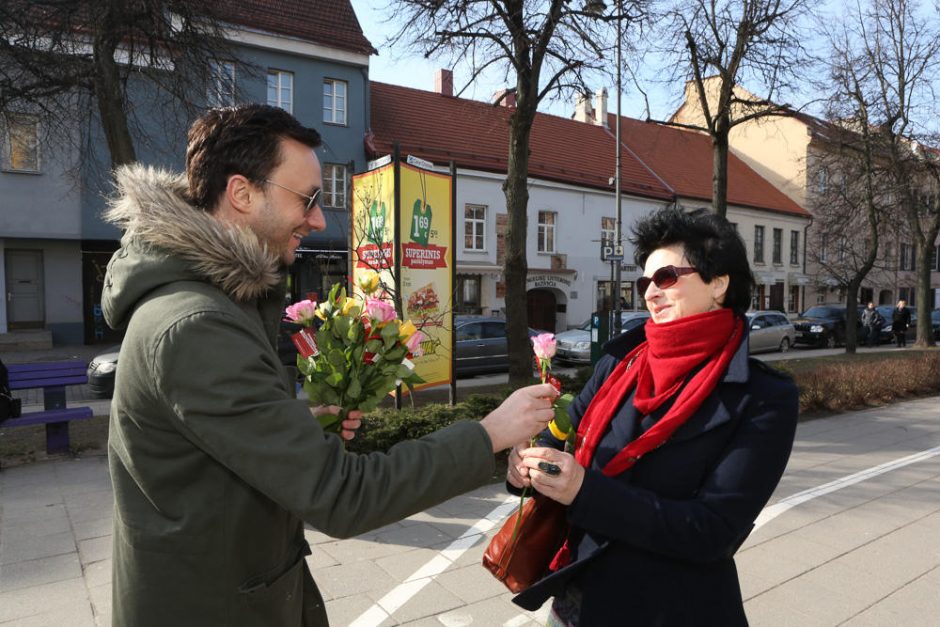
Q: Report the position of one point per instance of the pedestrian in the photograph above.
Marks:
(681, 441)
(215, 464)
(900, 321)
(872, 322)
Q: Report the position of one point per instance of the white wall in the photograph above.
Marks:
(577, 236)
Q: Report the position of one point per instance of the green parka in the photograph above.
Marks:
(215, 464)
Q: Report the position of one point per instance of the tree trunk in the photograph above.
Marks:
(720, 172)
(851, 314)
(515, 269)
(110, 97)
(924, 299)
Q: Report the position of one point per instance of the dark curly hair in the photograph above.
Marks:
(710, 243)
(242, 140)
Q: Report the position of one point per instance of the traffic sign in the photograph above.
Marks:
(612, 252)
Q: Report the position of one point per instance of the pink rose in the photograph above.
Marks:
(380, 310)
(413, 343)
(544, 345)
(302, 312)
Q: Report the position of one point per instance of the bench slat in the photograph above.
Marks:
(49, 416)
(47, 366)
(47, 382)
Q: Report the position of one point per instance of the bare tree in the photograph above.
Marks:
(713, 45)
(61, 60)
(543, 47)
(899, 51)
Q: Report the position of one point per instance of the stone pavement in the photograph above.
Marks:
(850, 537)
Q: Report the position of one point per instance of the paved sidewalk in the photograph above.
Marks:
(857, 546)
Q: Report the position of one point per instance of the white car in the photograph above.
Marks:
(770, 331)
(575, 345)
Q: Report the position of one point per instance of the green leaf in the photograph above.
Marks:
(562, 419)
(374, 346)
(334, 379)
(354, 390)
(330, 423)
(337, 358)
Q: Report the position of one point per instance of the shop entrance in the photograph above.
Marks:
(541, 307)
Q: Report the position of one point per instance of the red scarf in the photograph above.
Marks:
(657, 368)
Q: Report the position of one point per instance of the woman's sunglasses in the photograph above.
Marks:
(663, 278)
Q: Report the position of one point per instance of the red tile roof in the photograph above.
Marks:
(476, 135)
(328, 22)
(683, 159)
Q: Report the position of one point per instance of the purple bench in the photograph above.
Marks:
(52, 377)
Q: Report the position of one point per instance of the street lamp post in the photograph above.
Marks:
(597, 7)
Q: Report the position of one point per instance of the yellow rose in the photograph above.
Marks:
(407, 330)
(368, 282)
(558, 433)
(348, 305)
(323, 310)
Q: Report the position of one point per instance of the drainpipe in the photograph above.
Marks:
(805, 242)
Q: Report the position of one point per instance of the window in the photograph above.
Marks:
(907, 257)
(793, 303)
(778, 246)
(468, 294)
(794, 248)
(822, 181)
(608, 230)
(334, 101)
(334, 186)
(281, 89)
(221, 84)
(824, 248)
(21, 144)
(936, 259)
(758, 244)
(546, 232)
(474, 227)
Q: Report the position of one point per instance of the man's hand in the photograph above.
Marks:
(353, 419)
(524, 414)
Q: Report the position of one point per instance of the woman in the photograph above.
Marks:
(682, 440)
(900, 321)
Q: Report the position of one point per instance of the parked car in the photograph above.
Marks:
(770, 331)
(481, 344)
(574, 345)
(935, 322)
(822, 325)
(887, 335)
(102, 368)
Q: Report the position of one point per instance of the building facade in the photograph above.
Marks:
(311, 58)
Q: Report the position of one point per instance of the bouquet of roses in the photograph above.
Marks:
(360, 352)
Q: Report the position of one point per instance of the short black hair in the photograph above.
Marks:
(711, 245)
(242, 140)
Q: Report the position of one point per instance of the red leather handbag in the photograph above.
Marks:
(521, 561)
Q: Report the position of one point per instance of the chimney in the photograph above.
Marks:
(600, 109)
(444, 82)
(505, 97)
(583, 111)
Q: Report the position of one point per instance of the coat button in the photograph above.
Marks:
(290, 595)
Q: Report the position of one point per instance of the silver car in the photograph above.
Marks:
(574, 345)
(770, 331)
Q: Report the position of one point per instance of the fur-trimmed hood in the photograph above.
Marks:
(166, 239)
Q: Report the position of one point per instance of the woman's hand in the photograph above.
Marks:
(517, 474)
(541, 463)
(352, 422)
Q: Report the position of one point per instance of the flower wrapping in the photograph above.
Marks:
(360, 352)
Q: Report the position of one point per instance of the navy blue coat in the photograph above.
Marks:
(655, 545)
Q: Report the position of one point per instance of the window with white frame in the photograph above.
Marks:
(334, 185)
(474, 227)
(822, 181)
(758, 244)
(778, 246)
(334, 101)
(20, 143)
(908, 258)
(221, 84)
(824, 248)
(281, 89)
(608, 229)
(546, 232)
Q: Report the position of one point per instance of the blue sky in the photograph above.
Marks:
(393, 66)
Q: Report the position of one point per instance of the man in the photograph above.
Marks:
(900, 321)
(873, 323)
(215, 464)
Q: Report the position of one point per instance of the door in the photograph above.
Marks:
(25, 304)
(776, 296)
(541, 306)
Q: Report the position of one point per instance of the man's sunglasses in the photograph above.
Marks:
(311, 200)
(663, 278)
